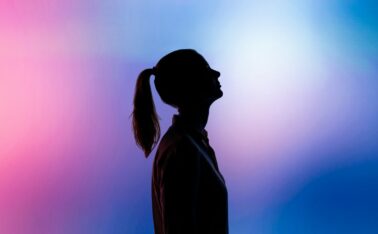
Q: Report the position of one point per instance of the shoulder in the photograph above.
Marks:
(176, 148)
(173, 140)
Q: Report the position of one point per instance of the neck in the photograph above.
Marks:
(195, 116)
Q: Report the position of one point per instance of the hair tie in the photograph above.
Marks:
(153, 71)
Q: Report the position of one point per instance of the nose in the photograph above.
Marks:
(216, 73)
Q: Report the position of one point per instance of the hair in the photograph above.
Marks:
(173, 84)
(145, 119)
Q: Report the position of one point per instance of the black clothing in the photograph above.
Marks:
(188, 196)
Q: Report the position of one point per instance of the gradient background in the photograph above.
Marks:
(295, 133)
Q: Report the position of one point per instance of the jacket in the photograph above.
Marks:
(189, 194)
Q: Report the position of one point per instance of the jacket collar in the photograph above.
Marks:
(179, 122)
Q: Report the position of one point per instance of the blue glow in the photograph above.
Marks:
(295, 133)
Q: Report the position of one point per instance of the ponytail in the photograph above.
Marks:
(145, 121)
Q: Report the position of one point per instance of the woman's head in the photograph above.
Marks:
(182, 78)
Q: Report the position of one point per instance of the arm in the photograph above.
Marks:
(180, 189)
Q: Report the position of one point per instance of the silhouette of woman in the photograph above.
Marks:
(189, 194)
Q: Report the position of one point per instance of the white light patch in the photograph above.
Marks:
(272, 60)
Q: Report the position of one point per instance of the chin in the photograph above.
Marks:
(213, 96)
(217, 94)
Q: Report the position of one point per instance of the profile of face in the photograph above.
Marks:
(208, 84)
(190, 77)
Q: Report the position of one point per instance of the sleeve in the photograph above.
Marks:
(180, 189)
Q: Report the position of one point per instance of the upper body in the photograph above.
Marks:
(189, 194)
